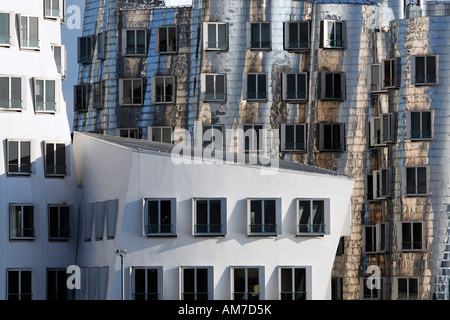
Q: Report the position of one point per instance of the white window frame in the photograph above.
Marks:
(49, 14)
(145, 218)
(257, 80)
(380, 241)
(157, 40)
(394, 67)
(85, 57)
(400, 227)
(125, 49)
(210, 279)
(409, 132)
(215, 96)
(223, 217)
(60, 231)
(297, 126)
(122, 92)
(11, 31)
(32, 158)
(326, 228)
(161, 128)
(375, 132)
(263, 233)
(24, 43)
(388, 128)
(326, 42)
(299, 95)
(20, 280)
(23, 92)
(217, 46)
(426, 81)
(173, 96)
(45, 108)
(375, 86)
(66, 158)
(260, 46)
(62, 69)
(22, 226)
(341, 137)
(404, 180)
(160, 282)
(308, 282)
(382, 176)
(324, 90)
(259, 288)
(299, 44)
(395, 282)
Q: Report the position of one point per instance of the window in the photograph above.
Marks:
(295, 86)
(336, 288)
(312, 216)
(85, 49)
(159, 217)
(56, 285)
(410, 236)
(101, 45)
(406, 288)
(58, 222)
(209, 217)
(213, 136)
(81, 97)
(166, 39)
(21, 222)
(160, 134)
(19, 157)
(371, 288)
(419, 125)
(163, 90)
(54, 9)
(333, 34)
(146, 283)
(388, 127)
(29, 32)
(19, 284)
(256, 86)
(55, 159)
(296, 35)
(424, 70)
(375, 82)
(382, 180)
(370, 239)
(214, 87)
(332, 86)
(59, 53)
(293, 137)
(134, 42)
(133, 133)
(331, 137)
(376, 237)
(390, 73)
(293, 283)
(216, 35)
(196, 283)
(247, 283)
(263, 216)
(416, 181)
(97, 93)
(341, 247)
(11, 93)
(6, 29)
(45, 95)
(260, 35)
(131, 92)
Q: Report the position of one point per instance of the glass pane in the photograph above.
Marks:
(39, 93)
(256, 215)
(406, 236)
(305, 216)
(337, 93)
(152, 283)
(28, 221)
(402, 289)
(167, 135)
(140, 42)
(431, 69)
(420, 70)
(329, 85)
(375, 77)
(131, 41)
(417, 235)
(212, 41)
(139, 284)
(318, 216)
(209, 79)
(299, 137)
(291, 89)
(202, 283)
(163, 41)
(49, 158)
(415, 125)
(50, 95)
(336, 137)
(189, 284)
(262, 86)
(300, 284)
(57, 55)
(239, 284)
(251, 86)
(64, 221)
(370, 237)
(25, 285)
(301, 86)
(13, 156)
(13, 285)
(331, 33)
(220, 86)
(4, 28)
(222, 35)
(293, 35)
(255, 39)
(16, 93)
(290, 136)
(51, 285)
(24, 31)
(413, 289)
(426, 124)
(153, 217)
(166, 219)
(127, 91)
(411, 180)
(34, 31)
(304, 34)
(172, 39)
(25, 159)
(137, 91)
(253, 283)
(286, 284)
(4, 92)
(54, 222)
(269, 216)
(202, 215)
(215, 215)
(265, 35)
(422, 180)
(169, 93)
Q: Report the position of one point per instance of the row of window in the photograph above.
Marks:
(197, 283)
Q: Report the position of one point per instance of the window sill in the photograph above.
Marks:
(58, 239)
(30, 49)
(11, 109)
(55, 176)
(431, 84)
(19, 174)
(161, 235)
(22, 239)
(168, 53)
(45, 112)
(297, 49)
(263, 234)
(294, 151)
(216, 50)
(330, 150)
(421, 139)
(211, 235)
(260, 49)
(296, 101)
(379, 91)
(310, 235)
(422, 195)
(164, 103)
(135, 55)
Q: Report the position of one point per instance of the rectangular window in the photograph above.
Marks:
(209, 217)
(375, 238)
(370, 239)
(53, 9)
(375, 132)
(56, 285)
(293, 137)
(419, 125)
(131, 92)
(416, 181)
(159, 217)
(163, 90)
(55, 159)
(196, 283)
(375, 82)
(296, 35)
(11, 93)
(85, 49)
(58, 222)
(333, 34)
(295, 86)
(260, 36)
(256, 86)
(29, 32)
(133, 133)
(382, 183)
(336, 288)
(81, 97)
(263, 216)
(407, 288)
(21, 222)
(160, 134)
(19, 157)
(388, 127)
(59, 53)
(246, 283)
(19, 284)
(101, 45)
(97, 93)
(253, 134)
(147, 283)
(135, 42)
(166, 39)
(371, 288)
(293, 283)
(424, 70)
(332, 86)
(331, 137)
(311, 217)
(213, 136)
(216, 35)
(214, 87)
(411, 236)
(6, 28)
(45, 95)
(390, 73)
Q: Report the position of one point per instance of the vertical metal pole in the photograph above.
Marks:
(122, 277)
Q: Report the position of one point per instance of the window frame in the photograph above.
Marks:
(146, 218)
(125, 48)
(222, 217)
(63, 237)
(259, 287)
(11, 29)
(23, 93)
(297, 126)
(129, 130)
(26, 45)
(154, 96)
(45, 109)
(62, 70)
(19, 294)
(378, 86)
(257, 93)
(205, 94)
(394, 70)
(326, 42)
(284, 85)
(206, 36)
(277, 218)
(409, 132)
(158, 42)
(323, 86)
(19, 158)
(322, 138)
(150, 133)
(66, 157)
(85, 56)
(300, 25)
(56, 273)
(160, 282)
(416, 186)
(22, 226)
(414, 76)
(210, 282)
(250, 41)
(363, 286)
(101, 45)
(401, 245)
(211, 144)
(122, 98)
(408, 293)
(61, 10)
(326, 218)
(382, 177)
(85, 97)
(307, 284)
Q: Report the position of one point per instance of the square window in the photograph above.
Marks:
(209, 217)
(21, 222)
(161, 134)
(253, 135)
(296, 35)
(11, 97)
(29, 32)
(214, 87)
(406, 288)
(293, 283)
(256, 85)
(213, 136)
(312, 217)
(333, 34)
(371, 288)
(293, 137)
(216, 36)
(416, 181)
(196, 283)
(247, 283)
(56, 285)
(264, 216)
(131, 92)
(332, 137)
(133, 133)
(45, 93)
(146, 283)
(166, 39)
(163, 90)
(19, 284)
(410, 236)
(295, 86)
(159, 217)
(55, 159)
(134, 42)
(53, 9)
(332, 86)
(424, 70)
(18, 157)
(260, 35)
(58, 222)
(419, 125)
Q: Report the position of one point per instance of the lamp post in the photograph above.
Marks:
(122, 253)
